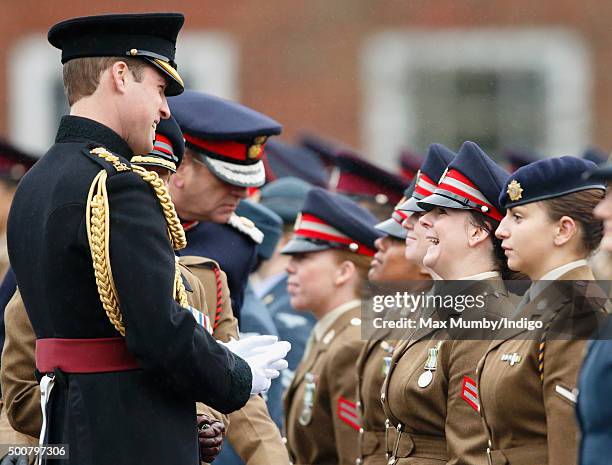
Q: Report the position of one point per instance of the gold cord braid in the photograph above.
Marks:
(175, 228)
(98, 233)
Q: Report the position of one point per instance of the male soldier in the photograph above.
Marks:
(113, 389)
(224, 144)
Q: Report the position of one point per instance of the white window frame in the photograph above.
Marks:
(211, 57)
(390, 58)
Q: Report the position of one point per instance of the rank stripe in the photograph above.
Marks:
(469, 393)
(347, 412)
(425, 186)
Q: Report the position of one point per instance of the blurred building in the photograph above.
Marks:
(380, 75)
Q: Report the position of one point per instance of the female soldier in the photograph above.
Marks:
(429, 395)
(548, 232)
(331, 251)
(399, 257)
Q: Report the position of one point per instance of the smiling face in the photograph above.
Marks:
(603, 211)
(200, 195)
(527, 234)
(311, 279)
(415, 245)
(389, 263)
(144, 105)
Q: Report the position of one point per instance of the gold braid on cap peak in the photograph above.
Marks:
(98, 233)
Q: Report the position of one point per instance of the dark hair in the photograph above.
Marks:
(579, 206)
(499, 257)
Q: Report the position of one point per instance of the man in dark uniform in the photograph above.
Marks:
(123, 361)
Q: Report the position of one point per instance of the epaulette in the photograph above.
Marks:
(106, 159)
(246, 226)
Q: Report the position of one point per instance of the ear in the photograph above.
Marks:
(119, 75)
(344, 273)
(178, 178)
(476, 235)
(565, 231)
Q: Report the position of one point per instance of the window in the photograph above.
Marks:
(502, 88)
(207, 62)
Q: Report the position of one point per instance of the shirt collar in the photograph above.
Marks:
(482, 276)
(328, 320)
(79, 129)
(538, 286)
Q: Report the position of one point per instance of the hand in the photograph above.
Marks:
(266, 364)
(210, 437)
(14, 460)
(244, 347)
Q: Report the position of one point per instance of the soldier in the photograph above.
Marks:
(399, 257)
(285, 197)
(224, 142)
(429, 393)
(595, 376)
(102, 332)
(548, 233)
(330, 255)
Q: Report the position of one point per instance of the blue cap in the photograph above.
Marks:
(332, 221)
(149, 36)
(437, 159)
(410, 162)
(14, 163)
(546, 179)
(285, 197)
(265, 220)
(228, 138)
(325, 148)
(168, 147)
(518, 158)
(472, 181)
(393, 226)
(290, 160)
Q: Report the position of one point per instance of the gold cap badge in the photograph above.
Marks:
(256, 149)
(515, 191)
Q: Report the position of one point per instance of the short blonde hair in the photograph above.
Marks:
(82, 75)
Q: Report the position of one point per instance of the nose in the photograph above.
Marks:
(164, 110)
(290, 268)
(426, 220)
(408, 224)
(239, 191)
(380, 244)
(502, 231)
(603, 209)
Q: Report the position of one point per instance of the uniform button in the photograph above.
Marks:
(490, 445)
(358, 404)
(358, 461)
(382, 397)
(284, 440)
(360, 430)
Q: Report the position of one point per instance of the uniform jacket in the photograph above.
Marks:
(594, 406)
(439, 420)
(325, 432)
(542, 426)
(147, 413)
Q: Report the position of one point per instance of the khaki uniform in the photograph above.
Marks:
(430, 397)
(372, 366)
(541, 428)
(321, 419)
(253, 434)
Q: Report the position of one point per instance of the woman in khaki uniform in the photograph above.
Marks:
(548, 232)
(399, 257)
(430, 396)
(330, 253)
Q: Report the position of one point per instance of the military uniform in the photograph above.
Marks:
(98, 396)
(535, 375)
(321, 417)
(321, 420)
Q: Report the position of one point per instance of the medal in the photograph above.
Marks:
(386, 365)
(430, 366)
(309, 392)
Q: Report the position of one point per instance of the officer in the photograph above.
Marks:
(224, 147)
(429, 395)
(330, 253)
(100, 326)
(224, 142)
(392, 263)
(548, 233)
(594, 408)
(286, 197)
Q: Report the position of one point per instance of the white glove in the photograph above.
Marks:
(264, 355)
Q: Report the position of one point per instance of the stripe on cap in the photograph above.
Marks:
(224, 150)
(424, 186)
(315, 228)
(162, 145)
(458, 184)
(399, 216)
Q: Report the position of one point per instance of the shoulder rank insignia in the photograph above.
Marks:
(109, 157)
(246, 226)
(515, 191)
